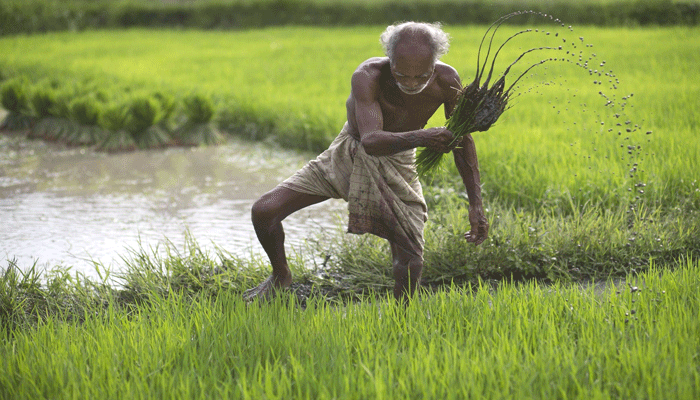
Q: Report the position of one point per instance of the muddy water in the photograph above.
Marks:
(69, 206)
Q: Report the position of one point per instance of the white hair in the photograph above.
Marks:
(438, 39)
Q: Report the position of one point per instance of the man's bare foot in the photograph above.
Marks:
(267, 289)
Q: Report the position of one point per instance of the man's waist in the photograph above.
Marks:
(351, 131)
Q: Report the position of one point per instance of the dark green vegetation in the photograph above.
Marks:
(163, 338)
(26, 16)
(83, 114)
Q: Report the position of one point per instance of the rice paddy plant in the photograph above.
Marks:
(505, 341)
(58, 126)
(165, 269)
(168, 107)
(144, 116)
(199, 128)
(42, 101)
(14, 98)
(33, 295)
(199, 109)
(478, 106)
(549, 245)
(85, 111)
(114, 120)
(144, 112)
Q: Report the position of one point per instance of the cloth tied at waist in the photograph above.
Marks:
(383, 193)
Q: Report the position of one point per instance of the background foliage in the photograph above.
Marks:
(26, 16)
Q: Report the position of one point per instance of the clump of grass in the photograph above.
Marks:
(114, 120)
(144, 116)
(31, 295)
(14, 98)
(85, 111)
(199, 128)
(58, 126)
(168, 107)
(42, 101)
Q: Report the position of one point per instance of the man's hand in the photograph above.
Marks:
(479, 225)
(439, 139)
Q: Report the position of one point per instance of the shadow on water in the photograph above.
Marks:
(69, 206)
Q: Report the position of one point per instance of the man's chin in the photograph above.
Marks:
(412, 92)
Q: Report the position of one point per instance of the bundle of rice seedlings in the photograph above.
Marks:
(86, 112)
(478, 106)
(144, 115)
(42, 101)
(58, 125)
(13, 96)
(199, 128)
(167, 107)
(200, 134)
(153, 137)
(113, 120)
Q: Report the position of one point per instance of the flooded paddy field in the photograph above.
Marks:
(70, 206)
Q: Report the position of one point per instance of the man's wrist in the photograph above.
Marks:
(417, 138)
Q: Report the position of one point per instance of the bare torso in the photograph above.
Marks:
(402, 112)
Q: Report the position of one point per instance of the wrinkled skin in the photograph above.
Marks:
(388, 108)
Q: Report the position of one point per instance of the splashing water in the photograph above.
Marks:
(479, 106)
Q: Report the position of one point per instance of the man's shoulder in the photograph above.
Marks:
(368, 74)
(446, 74)
(372, 66)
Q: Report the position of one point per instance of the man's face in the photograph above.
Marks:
(412, 66)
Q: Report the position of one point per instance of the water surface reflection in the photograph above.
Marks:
(68, 206)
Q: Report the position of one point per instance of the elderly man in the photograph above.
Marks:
(371, 162)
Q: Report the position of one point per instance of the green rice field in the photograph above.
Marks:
(586, 288)
(290, 84)
(528, 341)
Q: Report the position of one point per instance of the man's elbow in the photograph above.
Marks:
(467, 140)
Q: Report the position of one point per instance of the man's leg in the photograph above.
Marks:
(267, 215)
(407, 269)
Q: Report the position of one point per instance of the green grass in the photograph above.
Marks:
(635, 340)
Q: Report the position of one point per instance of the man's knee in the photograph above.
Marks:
(264, 211)
(408, 265)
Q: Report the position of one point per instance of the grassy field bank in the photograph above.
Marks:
(526, 341)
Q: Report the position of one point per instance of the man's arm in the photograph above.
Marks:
(468, 166)
(368, 115)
